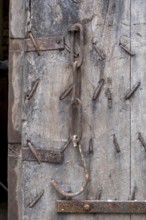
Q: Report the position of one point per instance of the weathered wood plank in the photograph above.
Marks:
(138, 101)
(17, 18)
(55, 17)
(16, 62)
(110, 170)
(45, 117)
(14, 182)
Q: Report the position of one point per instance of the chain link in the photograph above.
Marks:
(76, 104)
(75, 125)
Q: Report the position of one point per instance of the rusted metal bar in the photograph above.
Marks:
(142, 141)
(98, 90)
(36, 199)
(96, 206)
(66, 92)
(127, 50)
(45, 44)
(48, 156)
(34, 88)
(131, 92)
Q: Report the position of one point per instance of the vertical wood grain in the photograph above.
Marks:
(17, 18)
(138, 101)
(16, 64)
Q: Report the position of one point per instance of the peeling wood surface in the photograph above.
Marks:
(16, 60)
(45, 118)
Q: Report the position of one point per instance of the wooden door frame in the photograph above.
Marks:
(16, 56)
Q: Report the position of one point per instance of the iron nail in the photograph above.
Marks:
(33, 150)
(90, 146)
(58, 41)
(77, 1)
(66, 92)
(98, 89)
(69, 51)
(35, 200)
(131, 92)
(133, 193)
(109, 96)
(100, 53)
(127, 50)
(30, 95)
(98, 197)
(116, 144)
(66, 145)
(141, 139)
(34, 43)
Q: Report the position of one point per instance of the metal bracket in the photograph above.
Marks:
(49, 156)
(45, 44)
(103, 207)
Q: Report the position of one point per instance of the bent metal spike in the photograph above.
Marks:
(75, 107)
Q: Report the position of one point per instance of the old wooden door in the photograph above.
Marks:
(113, 91)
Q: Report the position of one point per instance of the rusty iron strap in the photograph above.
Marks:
(44, 43)
(45, 155)
(95, 206)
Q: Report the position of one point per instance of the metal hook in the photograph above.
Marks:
(70, 194)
